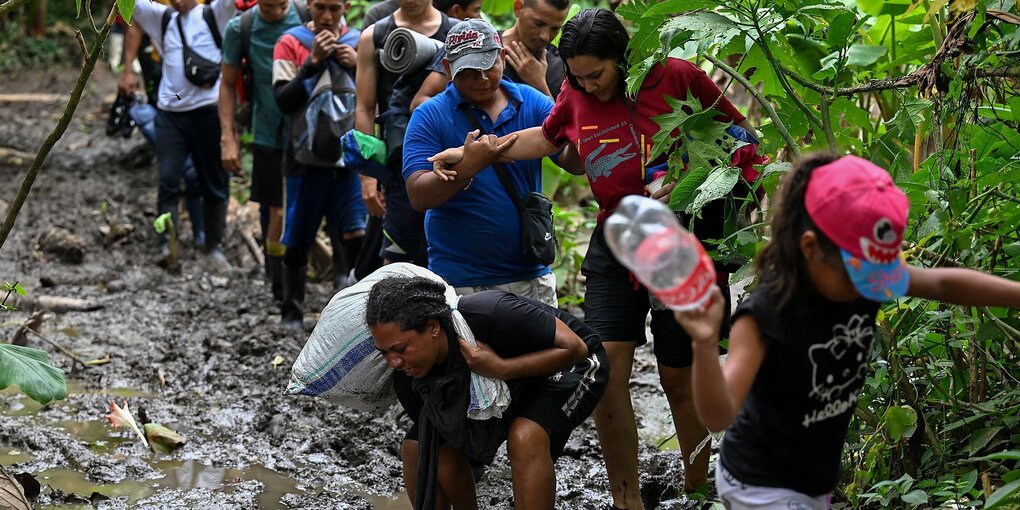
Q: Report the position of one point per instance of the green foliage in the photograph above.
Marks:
(162, 223)
(845, 77)
(7, 289)
(30, 370)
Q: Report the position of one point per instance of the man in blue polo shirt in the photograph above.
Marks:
(472, 225)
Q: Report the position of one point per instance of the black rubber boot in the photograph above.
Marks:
(293, 306)
(215, 216)
(274, 275)
(341, 264)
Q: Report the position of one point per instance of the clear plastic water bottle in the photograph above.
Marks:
(646, 237)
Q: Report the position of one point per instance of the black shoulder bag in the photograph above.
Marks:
(198, 69)
(538, 237)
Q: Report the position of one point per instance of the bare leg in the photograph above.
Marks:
(531, 466)
(276, 216)
(676, 383)
(454, 477)
(614, 421)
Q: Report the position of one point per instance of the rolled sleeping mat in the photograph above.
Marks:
(407, 52)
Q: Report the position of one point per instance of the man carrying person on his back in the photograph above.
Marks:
(402, 225)
(312, 68)
(251, 37)
(472, 223)
(530, 55)
(187, 123)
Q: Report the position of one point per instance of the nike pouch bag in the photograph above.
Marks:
(198, 69)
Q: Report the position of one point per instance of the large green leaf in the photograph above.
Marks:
(30, 370)
(126, 8)
(840, 29)
(864, 55)
(1007, 494)
(672, 7)
(718, 184)
(683, 194)
(687, 117)
(901, 421)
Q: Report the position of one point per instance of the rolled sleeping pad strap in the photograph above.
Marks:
(407, 51)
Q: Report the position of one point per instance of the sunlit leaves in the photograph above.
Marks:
(126, 8)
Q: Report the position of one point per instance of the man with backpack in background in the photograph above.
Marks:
(313, 67)
(403, 226)
(531, 58)
(188, 36)
(248, 52)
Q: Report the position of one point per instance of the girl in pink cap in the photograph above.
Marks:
(801, 343)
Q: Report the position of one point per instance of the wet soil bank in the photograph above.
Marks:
(194, 351)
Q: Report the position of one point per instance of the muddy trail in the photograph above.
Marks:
(194, 351)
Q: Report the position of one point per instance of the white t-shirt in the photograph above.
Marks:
(176, 93)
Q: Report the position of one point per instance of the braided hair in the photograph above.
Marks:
(781, 264)
(410, 303)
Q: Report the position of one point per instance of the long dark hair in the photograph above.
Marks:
(598, 33)
(781, 265)
(410, 303)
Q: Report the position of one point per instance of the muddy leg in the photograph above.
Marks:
(531, 466)
(614, 421)
(454, 477)
(676, 383)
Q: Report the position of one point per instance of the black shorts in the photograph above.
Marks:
(559, 403)
(267, 176)
(403, 227)
(616, 305)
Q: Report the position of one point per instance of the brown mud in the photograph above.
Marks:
(211, 338)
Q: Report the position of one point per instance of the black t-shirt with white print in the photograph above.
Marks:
(513, 325)
(791, 429)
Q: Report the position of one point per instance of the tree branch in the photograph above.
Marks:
(58, 130)
(751, 89)
(900, 82)
(9, 6)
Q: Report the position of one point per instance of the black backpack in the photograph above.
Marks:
(246, 80)
(329, 113)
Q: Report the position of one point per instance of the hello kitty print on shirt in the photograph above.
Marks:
(839, 367)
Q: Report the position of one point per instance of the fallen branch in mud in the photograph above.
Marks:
(58, 304)
(58, 130)
(32, 326)
(253, 247)
(63, 350)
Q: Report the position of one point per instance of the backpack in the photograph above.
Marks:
(246, 78)
(393, 119)
(207, 14)
(315, 130)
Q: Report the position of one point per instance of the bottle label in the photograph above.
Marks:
(693, 291)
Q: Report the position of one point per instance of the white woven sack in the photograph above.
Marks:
(340, 363)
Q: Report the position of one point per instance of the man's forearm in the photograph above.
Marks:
(426, 191)
(132, 42)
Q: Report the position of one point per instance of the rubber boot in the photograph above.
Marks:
(341, 269)
(195, 212)
(274, 275)
(215, 216)
(292, 308)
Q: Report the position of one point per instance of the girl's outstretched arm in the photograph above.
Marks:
(719, 392)
(963, 287)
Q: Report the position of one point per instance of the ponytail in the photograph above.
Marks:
(781, 265)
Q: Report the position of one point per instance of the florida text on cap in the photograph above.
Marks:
(857, 205)
(472, 44)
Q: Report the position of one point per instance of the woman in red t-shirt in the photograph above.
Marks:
(612, 134)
